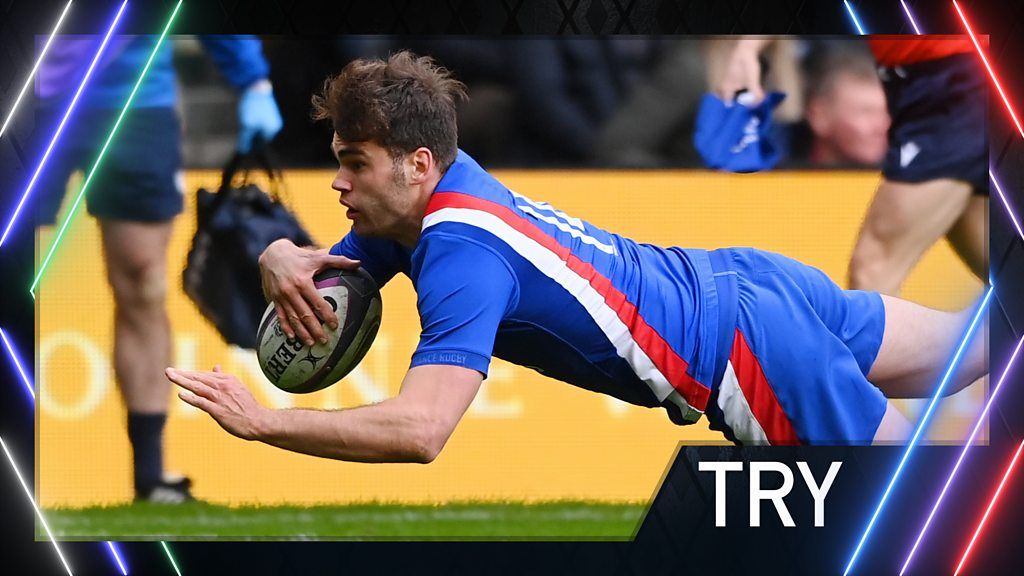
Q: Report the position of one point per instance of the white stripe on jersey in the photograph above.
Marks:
(575, 233)
(552, 266)
(736, 411)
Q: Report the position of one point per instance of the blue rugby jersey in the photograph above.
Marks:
(499, 274)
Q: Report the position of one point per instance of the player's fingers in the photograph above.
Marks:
(193, 385)
(323, 313)
(333, 261)
(295, 309)
(282, 318)
(308, 296)
(197, 401)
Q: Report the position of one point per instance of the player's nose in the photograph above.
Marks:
(341, 184)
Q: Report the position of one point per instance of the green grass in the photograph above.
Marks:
(458, 521)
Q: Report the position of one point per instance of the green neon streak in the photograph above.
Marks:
(170, 556)
(103, 150)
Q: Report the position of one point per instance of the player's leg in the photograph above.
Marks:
(969, 236)
(903, 221)
(135, 256)
(792, 378)
(917, 346)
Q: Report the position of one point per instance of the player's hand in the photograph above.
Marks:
(287, 275)
(258, 115)
(742, 72)
(224, 398)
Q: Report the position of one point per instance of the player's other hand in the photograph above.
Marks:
(287, 275)
(224, 398)
(258, 115)
(742, 71)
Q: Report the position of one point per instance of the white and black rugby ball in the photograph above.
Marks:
(294, 367)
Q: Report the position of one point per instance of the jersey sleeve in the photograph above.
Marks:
(464, 289)
(382, 259)
(239, 57)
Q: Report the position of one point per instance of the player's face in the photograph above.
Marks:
(373, 188)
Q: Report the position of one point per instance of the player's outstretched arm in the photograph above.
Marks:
(286, 271)
(411, 427)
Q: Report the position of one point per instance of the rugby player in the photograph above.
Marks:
(771, 351)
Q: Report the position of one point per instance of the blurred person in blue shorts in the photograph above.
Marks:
(135, 195)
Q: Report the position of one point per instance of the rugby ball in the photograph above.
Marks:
(294, 367)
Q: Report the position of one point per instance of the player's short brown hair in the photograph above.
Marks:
(401, 103)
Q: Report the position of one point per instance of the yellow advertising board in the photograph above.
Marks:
(525, 438)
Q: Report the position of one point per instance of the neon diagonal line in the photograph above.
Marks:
(103, 151)
(117, 558)
(991, 504)
(61, 125)
(922, 424)
(988, 67)
(17, 364)
(1006, 204)
(39, 514)
(167, 550)
(853, 16)
(35, 68)
(910, 16)
(963, 453)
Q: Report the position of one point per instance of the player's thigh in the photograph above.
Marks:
(790, 380)
(917, 344)
(969, 235)
(905, 218)
(855, 317)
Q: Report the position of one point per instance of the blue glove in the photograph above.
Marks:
(735, 136)
(258, 115)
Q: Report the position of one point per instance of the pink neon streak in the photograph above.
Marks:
(991, 504)
(1006, 203)
(991, 73)
(910, 16)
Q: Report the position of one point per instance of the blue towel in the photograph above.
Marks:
(735, 137)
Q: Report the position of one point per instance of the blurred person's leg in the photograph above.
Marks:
(136, 196)
(903, 221)
(136, 260)
(969, 236)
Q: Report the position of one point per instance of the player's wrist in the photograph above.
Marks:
(265, 425)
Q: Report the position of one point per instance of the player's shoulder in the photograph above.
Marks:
(467, 184)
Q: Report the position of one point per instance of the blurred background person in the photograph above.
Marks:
(135, 195)
(935, 175)
(845, 107)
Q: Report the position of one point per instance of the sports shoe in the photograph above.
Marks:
(170, 490)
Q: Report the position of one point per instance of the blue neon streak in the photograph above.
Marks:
(35, 68)
(910, 16)
(853, 16)
(963, 454)
(63, 122)
(17, 364)
(1006, 204)
(117, 558)
(921, 425)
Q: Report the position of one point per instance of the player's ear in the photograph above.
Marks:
(421, 163)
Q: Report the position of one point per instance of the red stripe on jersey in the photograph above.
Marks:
(760, 396)
(668, 362)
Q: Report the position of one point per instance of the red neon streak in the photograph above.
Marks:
(991, 73)
(991, 504)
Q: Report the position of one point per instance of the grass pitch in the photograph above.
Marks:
(457, 521)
